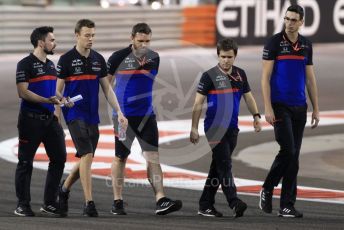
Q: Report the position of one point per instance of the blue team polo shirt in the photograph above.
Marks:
(82, 76)
(41, 77)
(288, 78)
(134, 80)
(223, 93)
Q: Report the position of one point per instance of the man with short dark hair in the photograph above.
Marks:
(134, 69)
(223, 86)
(36, 85)
(287, 71)
(81, 71)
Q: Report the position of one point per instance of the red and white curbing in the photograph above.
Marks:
(173, 176)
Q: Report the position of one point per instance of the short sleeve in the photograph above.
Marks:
(23, 72)
(310, 55)
(61, 68)
(246, 86)
(157, 62)
(103, 67)
(114, 62)
(269, 51)
(205, 84)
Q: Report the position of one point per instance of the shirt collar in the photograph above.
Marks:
(36, 59)
(82, 57)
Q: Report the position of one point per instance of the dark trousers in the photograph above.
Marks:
(33, 131)
(220, 172)
(289, 127)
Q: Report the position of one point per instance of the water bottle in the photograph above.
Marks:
(121, 132)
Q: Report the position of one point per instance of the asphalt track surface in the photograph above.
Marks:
(139, 198)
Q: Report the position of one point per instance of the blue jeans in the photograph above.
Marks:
(289, 127)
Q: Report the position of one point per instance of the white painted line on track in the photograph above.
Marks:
(173, 176)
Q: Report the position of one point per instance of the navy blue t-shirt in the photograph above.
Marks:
(134, 80)
(223, 93)
(82, 76)
(288, 78)
(41, 77)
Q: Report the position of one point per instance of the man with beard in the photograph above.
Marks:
(134, 69)
(36, 85)
(80, 71)
(223, 85)
(287, 71)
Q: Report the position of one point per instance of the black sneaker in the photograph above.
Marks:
(118, 208)
(289, 212)
(63, 200)
(24, 210)
(90, 209)
(166, 205)
(265, 201)
(51, 209)
(211, 212)
(239, 208)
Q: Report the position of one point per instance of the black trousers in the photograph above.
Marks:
(222, 144)
(289, 127)
(34, 130)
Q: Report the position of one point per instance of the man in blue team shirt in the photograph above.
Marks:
(134, 69)
(287, 70)
(223, 86)
(81, 70)
(36, 85)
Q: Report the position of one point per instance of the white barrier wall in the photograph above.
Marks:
(113, 26)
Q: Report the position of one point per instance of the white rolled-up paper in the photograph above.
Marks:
(73, 99)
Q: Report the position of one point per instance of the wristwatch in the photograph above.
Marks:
(256, 115)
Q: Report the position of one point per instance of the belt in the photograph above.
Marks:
(38, 116)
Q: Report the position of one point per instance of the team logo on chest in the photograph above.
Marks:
(39, 68)
(222, 84)
(129, 63)
(285, 50)
(37, 65)
(96, 66)
(77, 70)
(77, 62)
(284, 43)
(77, 66)
(40, 71)
(220, 81)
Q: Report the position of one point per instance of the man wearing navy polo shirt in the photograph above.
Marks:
(223, 85)
(36, 85)
(287, 71)
(80, 71)
(134, 70)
